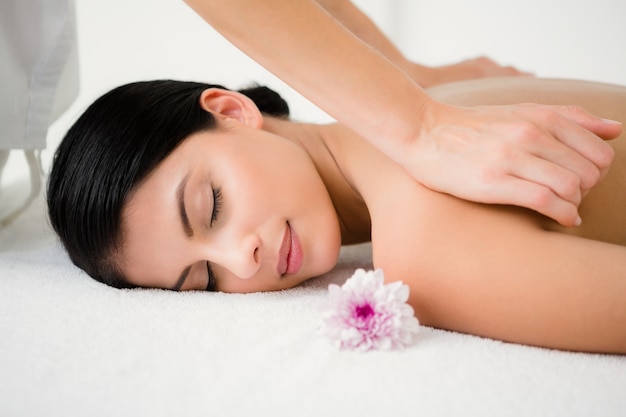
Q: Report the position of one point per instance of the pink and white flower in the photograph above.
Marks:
(366, 314)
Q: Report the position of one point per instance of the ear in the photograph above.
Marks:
(232, 105)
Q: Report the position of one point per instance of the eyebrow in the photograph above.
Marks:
(180, 196)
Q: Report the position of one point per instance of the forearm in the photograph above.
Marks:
(363, 27)
(311, 51)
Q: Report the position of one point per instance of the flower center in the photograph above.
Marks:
(364, 311)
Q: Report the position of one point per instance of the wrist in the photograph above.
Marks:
(421, 74)
(410, 125)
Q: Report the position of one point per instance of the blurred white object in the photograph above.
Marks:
(39, 73)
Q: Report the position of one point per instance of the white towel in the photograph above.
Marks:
(70, 346)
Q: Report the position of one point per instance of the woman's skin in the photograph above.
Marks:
(496, 271)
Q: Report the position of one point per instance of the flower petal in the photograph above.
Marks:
(365, 314)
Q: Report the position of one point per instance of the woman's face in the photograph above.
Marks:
(239, 204)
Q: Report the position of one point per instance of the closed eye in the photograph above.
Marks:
(217, 204)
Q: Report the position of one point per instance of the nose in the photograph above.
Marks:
(240, 255)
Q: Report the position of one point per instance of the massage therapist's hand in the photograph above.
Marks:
(541, 157)
(480, 67)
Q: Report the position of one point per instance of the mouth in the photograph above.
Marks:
(290, 254)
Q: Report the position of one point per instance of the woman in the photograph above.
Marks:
(187, 186)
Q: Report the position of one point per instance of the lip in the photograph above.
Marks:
(290, 253)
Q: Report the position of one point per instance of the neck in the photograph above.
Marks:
(321, 142)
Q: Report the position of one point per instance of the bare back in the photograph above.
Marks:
(498, 271)
(605, 201)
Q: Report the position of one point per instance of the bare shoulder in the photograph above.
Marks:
(437, 244)
(495, 271)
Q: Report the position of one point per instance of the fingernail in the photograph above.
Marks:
(578, 221)
(611, 122)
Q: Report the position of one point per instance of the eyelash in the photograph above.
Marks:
(211, 284)
(217, 206)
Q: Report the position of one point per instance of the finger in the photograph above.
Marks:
(521, 192)
(562, 181)
(585, 143)
(504, 71)
(604, 128)
(570, 160)
(493, 69)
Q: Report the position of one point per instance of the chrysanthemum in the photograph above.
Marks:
(366, 314)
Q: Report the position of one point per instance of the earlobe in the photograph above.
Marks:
(232, 105)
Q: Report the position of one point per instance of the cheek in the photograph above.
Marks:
(267, 178)
(249, 189)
